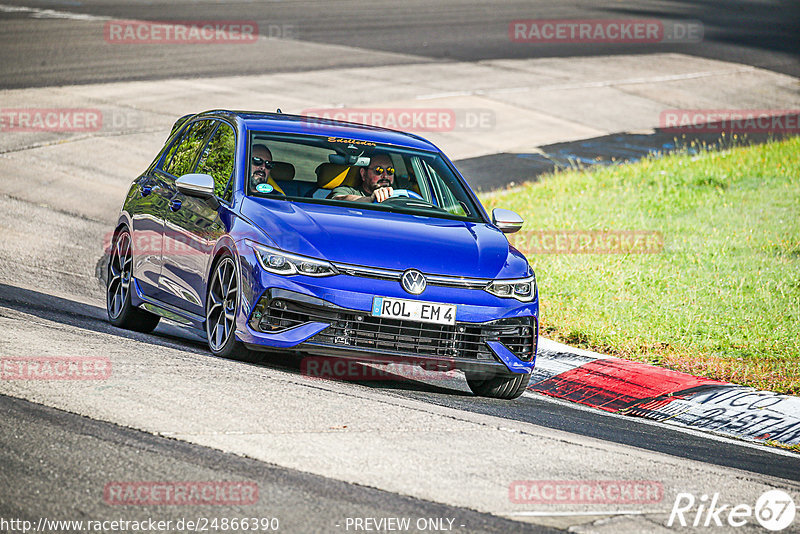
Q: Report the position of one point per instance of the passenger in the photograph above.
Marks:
(376, 182)
(260, 165)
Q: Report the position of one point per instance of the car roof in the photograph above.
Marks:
(300, 124)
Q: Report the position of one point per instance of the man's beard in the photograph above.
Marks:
(259, 175)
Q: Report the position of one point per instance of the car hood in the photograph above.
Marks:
(386, 240)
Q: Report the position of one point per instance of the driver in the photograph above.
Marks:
(376, 182)
(261, 165)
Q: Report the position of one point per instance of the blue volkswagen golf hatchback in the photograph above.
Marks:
(286, 233)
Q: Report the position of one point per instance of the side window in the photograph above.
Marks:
(171, 152)
(419, 169)
(181, 161)
(447, 198)
(217, 160)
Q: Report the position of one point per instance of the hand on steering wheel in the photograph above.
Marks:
(406, 193)
(382, 194)
(387, 193)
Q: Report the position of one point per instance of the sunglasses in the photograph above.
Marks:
(381, 170)
(257, 162)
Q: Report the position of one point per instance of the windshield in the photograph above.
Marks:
(338, 171)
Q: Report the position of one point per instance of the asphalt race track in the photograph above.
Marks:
(302, 502)
(321, 453)
(751, 33)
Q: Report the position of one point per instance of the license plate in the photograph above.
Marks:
(414, 310)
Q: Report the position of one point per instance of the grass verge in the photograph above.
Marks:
(720, 299)
(794, 448)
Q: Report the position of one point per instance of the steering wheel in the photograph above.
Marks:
(405, 193)
(408, 198)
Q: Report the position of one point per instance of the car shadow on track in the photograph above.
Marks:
(395, 377)
(88, 317)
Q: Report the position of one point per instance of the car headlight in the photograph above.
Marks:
(279, 262)
(523, 289)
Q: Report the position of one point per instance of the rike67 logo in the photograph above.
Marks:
(774, 510)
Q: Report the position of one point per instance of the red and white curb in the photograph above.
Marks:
(637, 389)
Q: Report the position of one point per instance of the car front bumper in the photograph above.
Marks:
(332, 317)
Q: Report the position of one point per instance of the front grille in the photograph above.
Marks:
(351, 328)
(433, 280)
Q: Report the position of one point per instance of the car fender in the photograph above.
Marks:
(123, 221)
(224, 244)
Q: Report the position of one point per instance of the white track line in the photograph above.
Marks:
(674, 426)
(589, 85)
(568, 514)
(38, 13)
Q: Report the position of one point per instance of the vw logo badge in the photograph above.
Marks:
(413, 281)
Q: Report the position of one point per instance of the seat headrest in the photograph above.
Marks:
(282, 171)
(331, 175)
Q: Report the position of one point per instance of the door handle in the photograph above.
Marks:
(175, 204)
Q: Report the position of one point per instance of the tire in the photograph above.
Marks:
(118, 289)
(222, 301)
(506, 386)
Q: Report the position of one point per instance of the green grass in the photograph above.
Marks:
(795, 448)
(721, 299)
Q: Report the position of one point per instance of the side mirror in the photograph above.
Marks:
(196, 185)
(200, 186)
(506, 220)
